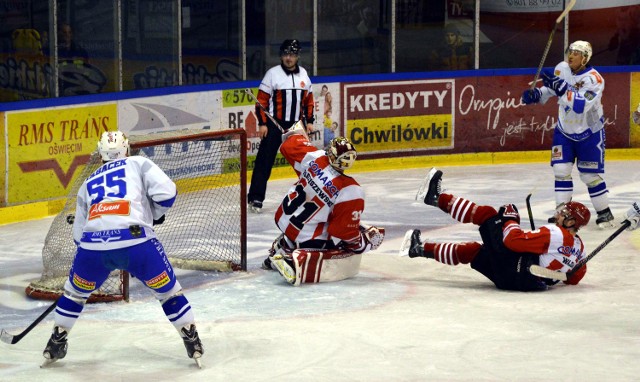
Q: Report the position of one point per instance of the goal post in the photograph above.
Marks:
(206, 229)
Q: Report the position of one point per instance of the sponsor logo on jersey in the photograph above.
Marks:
(159, 281)
(568, 251)
(556, 152)
(82, 283)
(120, 207)
(589, 95)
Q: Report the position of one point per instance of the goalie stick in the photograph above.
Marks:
(556, 275)
(546, 49)
(14, 339)
(254, 99)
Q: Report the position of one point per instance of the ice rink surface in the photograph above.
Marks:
(400, 319)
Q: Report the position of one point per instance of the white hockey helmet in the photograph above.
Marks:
(341, 152)
(113, 145)
(584, 48)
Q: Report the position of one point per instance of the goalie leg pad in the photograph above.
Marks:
(285, 268)
(318, 266)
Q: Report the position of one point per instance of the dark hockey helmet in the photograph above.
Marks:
(341, 152)
(576, 211)
(290, 47)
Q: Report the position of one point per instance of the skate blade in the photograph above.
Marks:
(196, 358)
(47, 362)
(406, 244)
(607, 225)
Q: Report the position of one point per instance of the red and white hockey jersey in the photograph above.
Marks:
(559, 250)
(324, 204)
(122, 193)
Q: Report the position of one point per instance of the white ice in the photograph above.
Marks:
(400, 319)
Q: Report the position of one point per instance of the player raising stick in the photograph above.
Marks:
(322, 237)
(506, 251)
(116, 209)
(579, 135)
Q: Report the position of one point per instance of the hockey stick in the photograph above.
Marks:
(555, 275)
(254, 99)
(546, 49)
(11, 339)
(528, 202)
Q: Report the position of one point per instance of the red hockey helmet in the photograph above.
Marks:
(578, 212)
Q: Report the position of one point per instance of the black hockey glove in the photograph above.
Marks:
(509, 212)
(158, 221)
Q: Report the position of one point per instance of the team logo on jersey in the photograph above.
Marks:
(120, 207)
(159, 281)
(589, 95)
(82, 283)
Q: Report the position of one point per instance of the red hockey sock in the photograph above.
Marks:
(464, 210)
(452, 253)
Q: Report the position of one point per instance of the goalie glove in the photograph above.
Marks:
(554, 82)
(531, 96)
(298, 128)
(509, 212)
(633, 216)
(370, 239)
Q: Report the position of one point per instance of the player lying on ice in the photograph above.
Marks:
(116, 209)
(322, 238)
(506, 251)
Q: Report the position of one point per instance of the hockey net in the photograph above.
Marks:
(204, 230)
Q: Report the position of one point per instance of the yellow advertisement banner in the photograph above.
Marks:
(48, 148)
(401, 133)
(3, 164)
(634, 131)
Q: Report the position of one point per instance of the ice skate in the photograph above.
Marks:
(430, 189)
(266, 264)
(192, 343)
(412, 245)
(605, 219)
(56, 347)
(286, 270)
(255, 207)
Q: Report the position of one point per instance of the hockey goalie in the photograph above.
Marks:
(322, 238)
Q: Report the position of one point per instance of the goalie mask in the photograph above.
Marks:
(341, 152)
(576, 211)
(584, 48)
(290, 47)
(113, 145)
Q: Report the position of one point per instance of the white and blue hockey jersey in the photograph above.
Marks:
(121, 194)
(580, 111)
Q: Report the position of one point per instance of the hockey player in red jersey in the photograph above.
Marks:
(322, 237)
(507, 251)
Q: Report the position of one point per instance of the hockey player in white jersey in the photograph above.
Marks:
(116, 209)
(579, 135)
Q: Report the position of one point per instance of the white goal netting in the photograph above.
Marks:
(206, 227)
